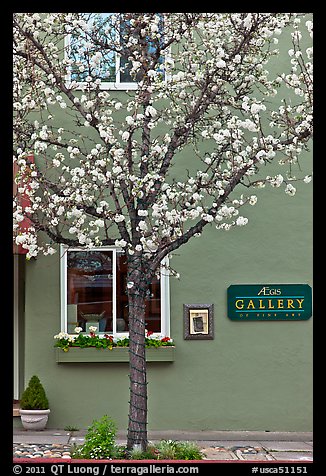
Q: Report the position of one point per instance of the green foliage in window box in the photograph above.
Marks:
(107, 341)
(34, 396)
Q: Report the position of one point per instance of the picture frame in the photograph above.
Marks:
(198, 321)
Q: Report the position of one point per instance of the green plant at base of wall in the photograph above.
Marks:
(99, 441)
(100, 444)
(71, 428)
(183, 450)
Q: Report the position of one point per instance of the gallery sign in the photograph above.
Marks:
(269, 302)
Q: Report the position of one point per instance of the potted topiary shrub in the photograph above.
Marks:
(34, 406)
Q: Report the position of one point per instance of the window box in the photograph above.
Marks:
(117, 354)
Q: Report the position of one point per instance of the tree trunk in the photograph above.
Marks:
(137, 424)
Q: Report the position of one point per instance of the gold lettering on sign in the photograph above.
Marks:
(300, 301)
(270, 306)
(290, 304)
(267, 291)
(251, 304)
(261, 304)
(280, 303)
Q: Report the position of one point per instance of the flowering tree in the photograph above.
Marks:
(201, 97)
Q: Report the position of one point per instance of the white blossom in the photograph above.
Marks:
(99, 222)
(277, 180)
(208, 218)
(129, 120)
(217, 114)
(120, 243)
(247, 22)
(241, 221)
(125, 136)
(290, 190)
(256, 108)
(150, 111)
(62, 335)
(119, 218)
(221, 63)
(142, 225)
(142, 213)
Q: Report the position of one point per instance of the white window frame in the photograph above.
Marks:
(164, 282)
(108, 85)
(105, 85)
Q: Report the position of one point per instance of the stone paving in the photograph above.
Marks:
(257, 452)
(58, 444)
(55, 450)
(290, 451)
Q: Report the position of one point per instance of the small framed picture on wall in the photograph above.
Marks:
(198, 321)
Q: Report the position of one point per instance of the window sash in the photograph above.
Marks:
(105, 85)
(109, 85)
(164, 288)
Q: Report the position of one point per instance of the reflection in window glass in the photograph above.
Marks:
(153, 302)
(98, 59)
(90, 59)
(97, 293)
(90, 293)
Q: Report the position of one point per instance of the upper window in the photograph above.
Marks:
(94, 293)
(97, 52)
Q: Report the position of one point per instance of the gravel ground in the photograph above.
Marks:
(210, 452)
(23, 450)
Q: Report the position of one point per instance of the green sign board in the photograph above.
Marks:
(269, 302)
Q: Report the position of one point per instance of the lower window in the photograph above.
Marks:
(93, 288)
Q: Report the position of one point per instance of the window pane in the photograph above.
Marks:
(153, 307)
(152, 45)
(125, 67)
(90, 293)
(89, 290)
(153, 304)
(91, 52)
(122, 298)
(125, 64)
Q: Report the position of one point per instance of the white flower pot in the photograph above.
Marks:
(34, 419)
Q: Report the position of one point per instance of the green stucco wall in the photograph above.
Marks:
(251, 376)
